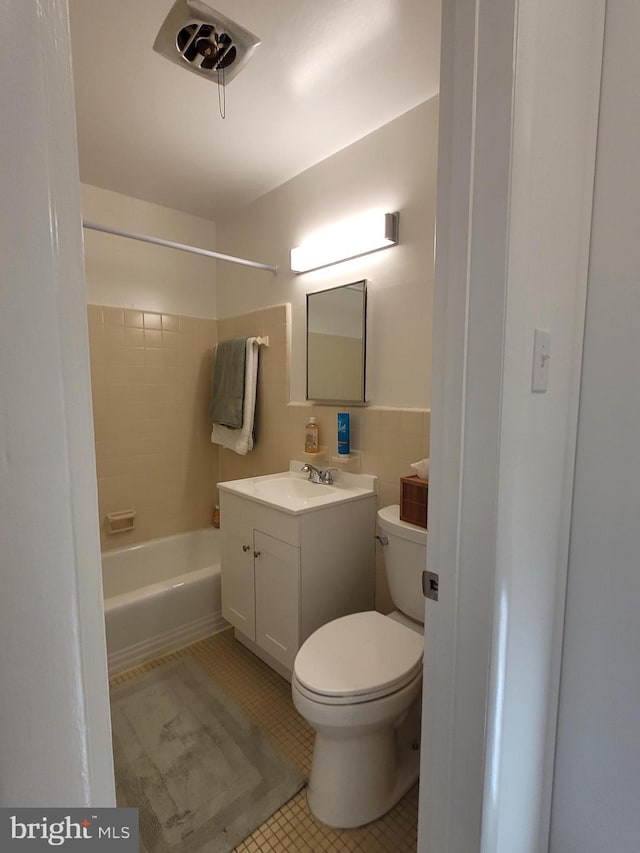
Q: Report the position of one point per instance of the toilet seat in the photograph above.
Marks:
(358, 658)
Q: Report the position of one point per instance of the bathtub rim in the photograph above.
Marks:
(117, 571)
(136, 546)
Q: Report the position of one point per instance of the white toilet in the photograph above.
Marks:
(357, 681)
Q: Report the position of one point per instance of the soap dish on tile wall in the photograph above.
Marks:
(120, 522)
(351, 463)
(320, 456)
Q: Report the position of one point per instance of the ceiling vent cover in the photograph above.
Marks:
(198, 38)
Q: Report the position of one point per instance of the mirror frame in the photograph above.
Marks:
(362, 399)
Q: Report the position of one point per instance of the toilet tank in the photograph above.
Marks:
(404, 561)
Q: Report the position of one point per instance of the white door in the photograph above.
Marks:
(277, 578)
(238, 594)
(596, 793)
(55, 733)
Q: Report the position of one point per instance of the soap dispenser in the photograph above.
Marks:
(311, 437)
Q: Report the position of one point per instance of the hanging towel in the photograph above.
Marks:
(241, 440)
(227, 392)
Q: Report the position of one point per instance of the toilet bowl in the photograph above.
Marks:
(357, 681)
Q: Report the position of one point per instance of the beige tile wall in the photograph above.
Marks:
(151, 378)
(389, 438)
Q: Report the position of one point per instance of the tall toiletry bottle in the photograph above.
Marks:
(344, 439)
(311, 437)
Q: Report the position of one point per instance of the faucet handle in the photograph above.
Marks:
(327, 476)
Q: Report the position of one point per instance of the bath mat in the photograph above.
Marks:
(203, 775)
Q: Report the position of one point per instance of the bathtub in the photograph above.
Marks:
(161, 595)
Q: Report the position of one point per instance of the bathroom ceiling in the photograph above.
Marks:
(327, 73)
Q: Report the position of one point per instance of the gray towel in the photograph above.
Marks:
(227, 393)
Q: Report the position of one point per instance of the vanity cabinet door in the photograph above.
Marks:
(277, 587)
(238, 597)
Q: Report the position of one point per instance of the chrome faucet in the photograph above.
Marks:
(318, 476)
(315, 475)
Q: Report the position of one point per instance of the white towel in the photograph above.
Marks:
(241, 440)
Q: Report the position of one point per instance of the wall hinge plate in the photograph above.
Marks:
(430, 582)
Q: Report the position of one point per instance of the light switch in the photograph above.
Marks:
(541, 358)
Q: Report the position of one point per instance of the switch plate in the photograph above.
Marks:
(541, 358)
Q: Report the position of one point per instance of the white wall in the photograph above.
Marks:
(130, 274)
(392, 168)
(55, 738)
(597, 779)
(559, 51)
(519, 96)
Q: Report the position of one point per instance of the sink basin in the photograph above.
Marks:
(293, 492)
(290, 489)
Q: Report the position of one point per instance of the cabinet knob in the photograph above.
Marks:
(246, 547)
(256, 553)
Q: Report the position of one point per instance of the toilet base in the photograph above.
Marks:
(357, 779)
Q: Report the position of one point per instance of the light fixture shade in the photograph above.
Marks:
(348, 239)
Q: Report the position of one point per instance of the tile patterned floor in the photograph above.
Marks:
(266, 697)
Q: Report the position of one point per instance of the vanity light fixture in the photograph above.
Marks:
(351, 238)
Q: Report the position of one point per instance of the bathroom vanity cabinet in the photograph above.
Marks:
(284, 573)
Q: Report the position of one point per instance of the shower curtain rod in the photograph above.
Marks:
(183, 247)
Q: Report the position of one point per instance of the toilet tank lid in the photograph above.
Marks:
(390, 522)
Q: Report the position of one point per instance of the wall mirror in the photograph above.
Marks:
(336, 344)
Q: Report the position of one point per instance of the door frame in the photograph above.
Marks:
(509, 70)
